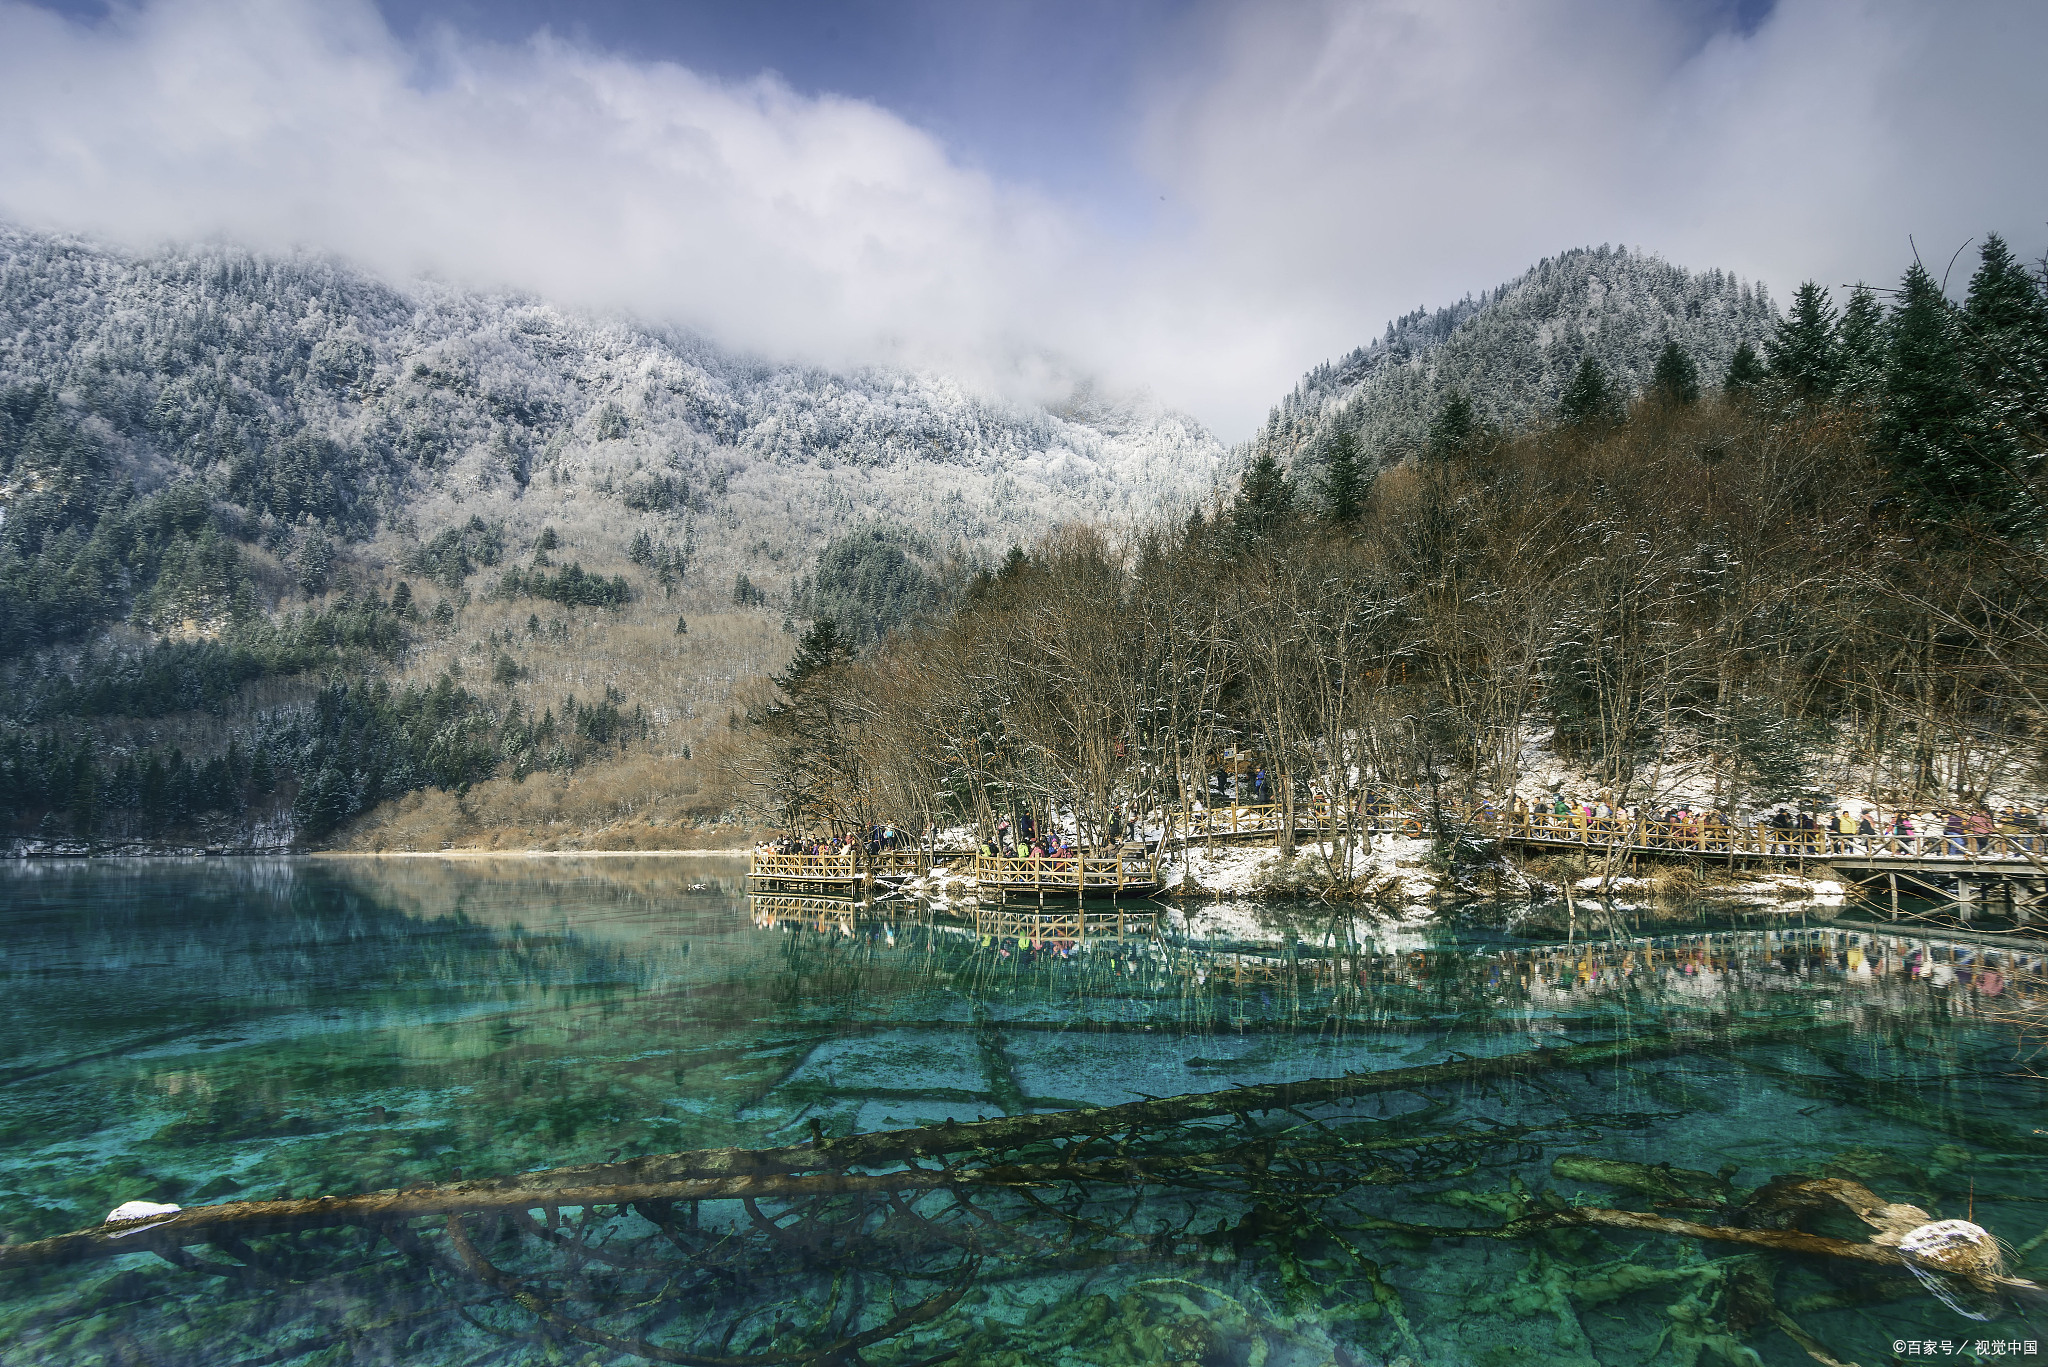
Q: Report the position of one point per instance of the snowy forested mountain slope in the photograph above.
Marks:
(311, 390)
(280, 543)
(1512, 349)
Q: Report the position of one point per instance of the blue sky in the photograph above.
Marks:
(1200, 200)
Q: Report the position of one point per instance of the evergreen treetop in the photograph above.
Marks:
(1457, 423)
(1924, 431)
(1675, 378)
(1802, 353)
(1344, 483)
(1860, 345)
(821, 649)
(2004, 298)
(1264, 498)
(1589, 397)
(1745, 371)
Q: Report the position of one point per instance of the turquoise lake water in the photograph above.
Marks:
(211, 1031)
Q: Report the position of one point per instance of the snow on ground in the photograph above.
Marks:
(1394, 864)
(1785, 889)
(1229, 893)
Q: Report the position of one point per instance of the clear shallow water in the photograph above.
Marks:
(229, 1030)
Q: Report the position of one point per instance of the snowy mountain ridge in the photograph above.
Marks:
(1512, 349)
(443, 401)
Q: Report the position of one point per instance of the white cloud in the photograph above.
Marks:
(1342, 163)
(1325, 166)
(826, 228)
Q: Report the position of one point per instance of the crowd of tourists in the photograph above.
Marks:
(1853, 828)
(881, 836)
(1975, 830)
(1028, 840)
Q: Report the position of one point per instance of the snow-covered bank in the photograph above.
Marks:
(1407, 880)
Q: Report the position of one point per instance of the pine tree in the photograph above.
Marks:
(1925, 429)
(1802, 354)
(2004, 300)
(1675, 379)
(821, 649)
(1745, 371)
(2005, 323)
(1457, 423)
(2004, 339)
(1860, 346)
(1344, 483)
(1264, 498)
(1588, 398)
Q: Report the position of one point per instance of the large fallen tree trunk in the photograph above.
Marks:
(824, 1166)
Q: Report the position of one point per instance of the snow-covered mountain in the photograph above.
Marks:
(1511, 350)
(308, 390)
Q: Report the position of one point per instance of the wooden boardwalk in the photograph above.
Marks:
(1967, 869)
(839, 874)
(1080, 876)
(827, 874)
(1269, 818)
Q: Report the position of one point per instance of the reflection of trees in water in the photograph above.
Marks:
(1901, 977)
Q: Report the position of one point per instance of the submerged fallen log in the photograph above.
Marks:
(1795, 1241)
(824, 1166)
(1893, 1244)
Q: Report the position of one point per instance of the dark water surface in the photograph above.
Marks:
(202, 1032)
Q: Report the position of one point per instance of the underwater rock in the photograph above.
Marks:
(1954, 1246)
(1956, 1260)
(135, 1214)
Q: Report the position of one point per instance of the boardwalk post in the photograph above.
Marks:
(1893, 879)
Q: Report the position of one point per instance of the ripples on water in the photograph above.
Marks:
(207, 1032)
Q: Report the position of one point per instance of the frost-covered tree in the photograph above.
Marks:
(1345, 484)
(1802, 350)
(1745, 371)
(1925, 433)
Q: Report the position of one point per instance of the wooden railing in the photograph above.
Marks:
(815, 868)
(1756, 841)
(1261, 818)
(901, 861)
(1082, 873)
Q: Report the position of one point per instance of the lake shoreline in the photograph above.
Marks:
(33, 855)
(522, 854)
